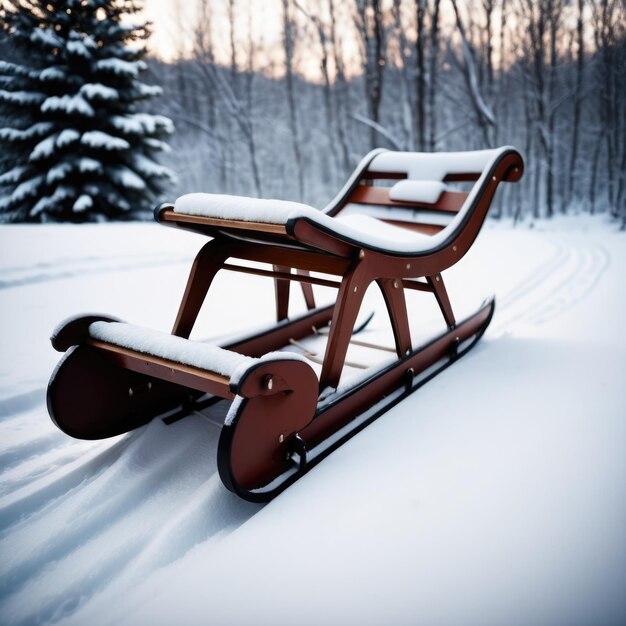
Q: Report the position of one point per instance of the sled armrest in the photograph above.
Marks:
(195, 364)
(165, 213)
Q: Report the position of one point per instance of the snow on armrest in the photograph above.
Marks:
(184, 351)
(421, 191)
(242, 208)
(170, 347)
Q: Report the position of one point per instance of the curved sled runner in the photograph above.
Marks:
(285, 417)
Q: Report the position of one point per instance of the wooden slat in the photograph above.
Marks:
(170, 216)
(372, 175)
(461, 178)
(187, 375)
(449, 178)
(425, 229)
(449, 201)
(301, 278)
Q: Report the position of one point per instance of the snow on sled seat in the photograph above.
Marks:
(397, 224)
(422, 185)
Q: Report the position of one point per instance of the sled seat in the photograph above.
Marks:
(418, 214)
(203, 366)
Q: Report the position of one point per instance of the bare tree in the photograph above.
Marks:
(420, 108)
(369, 22)
(406, 85)
(484, 115)
(288, 44)
(434, 65)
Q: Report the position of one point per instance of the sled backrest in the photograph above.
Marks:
(416, 189)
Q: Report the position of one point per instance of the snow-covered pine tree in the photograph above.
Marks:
(78, 145)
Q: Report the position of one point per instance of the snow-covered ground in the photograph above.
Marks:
(494, 495)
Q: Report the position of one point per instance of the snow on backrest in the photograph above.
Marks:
(432, 166)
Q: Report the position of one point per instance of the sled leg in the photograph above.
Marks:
(393, 294)
(282, 293)
(349, 299)
(307, 291)
(439, 289)
(206, 265)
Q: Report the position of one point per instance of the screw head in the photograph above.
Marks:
(281, 438)
(395, 284)
(408, 266)
(494, 178)
(453, 248)
(361, 254)
(437, 278)
(269, 383)
(356, 288)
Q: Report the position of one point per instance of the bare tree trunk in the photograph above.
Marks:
(288, 42)
(320, 29)
(578, 97)
(434, 65)
(594, 174)
(420, 105)
(250, 61)
(488, 7)
(407, 113)
(233, 48)
(341, 90)
(369, 22)
(554, 11)
(484, 115)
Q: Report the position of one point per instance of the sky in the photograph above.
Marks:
(173, 22)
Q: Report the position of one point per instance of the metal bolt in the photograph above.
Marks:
(281, 438)
(361, 254)
(395, 284)
(437, 278)
(408, 266)
(516, 169)
(494, 178)
(130, 391)
(408, 351)
(356, 288)
(453, 248)
(269, 383)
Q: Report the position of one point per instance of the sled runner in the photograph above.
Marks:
(284, 418)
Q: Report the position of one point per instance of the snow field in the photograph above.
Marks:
(492, 495)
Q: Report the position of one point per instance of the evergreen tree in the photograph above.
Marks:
(77, 145)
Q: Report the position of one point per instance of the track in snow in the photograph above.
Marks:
(564, 280)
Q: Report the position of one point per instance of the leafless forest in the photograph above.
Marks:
(544, 75)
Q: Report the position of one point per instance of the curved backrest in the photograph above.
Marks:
(422, 199)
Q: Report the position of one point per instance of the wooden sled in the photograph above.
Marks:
(284, 418)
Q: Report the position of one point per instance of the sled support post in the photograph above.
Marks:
(353, 287)
(206, 265)
(307, 290)
(393, 293)
(441, 295)
(282, 288)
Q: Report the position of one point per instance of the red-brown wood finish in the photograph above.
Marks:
(268, 418)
